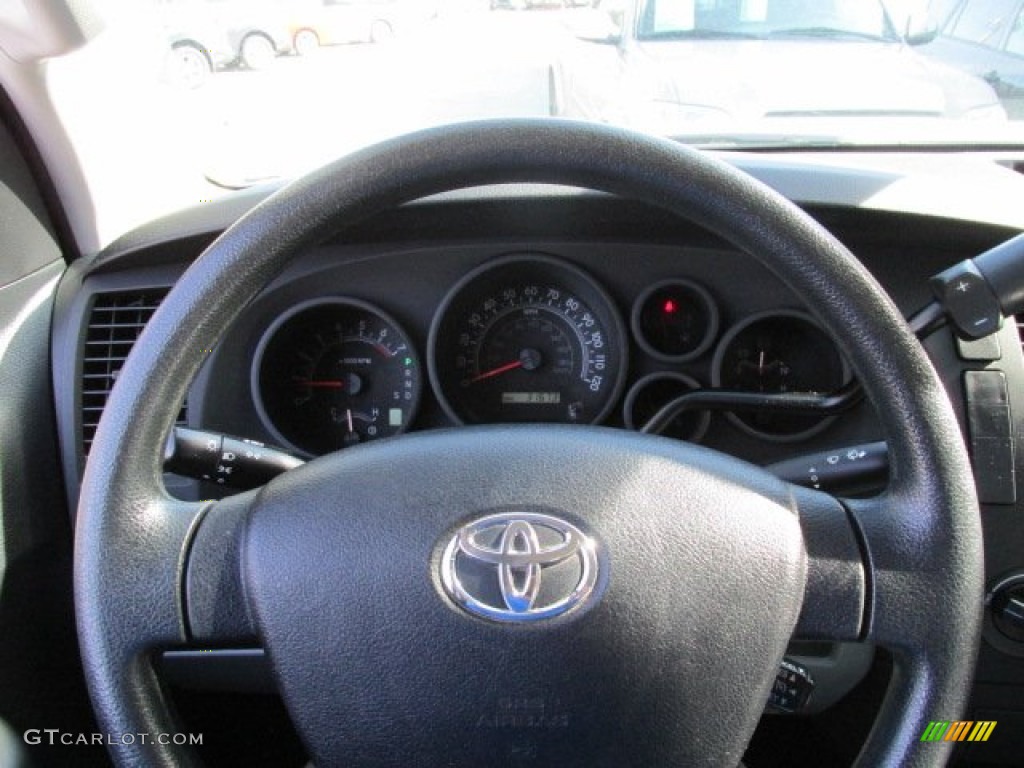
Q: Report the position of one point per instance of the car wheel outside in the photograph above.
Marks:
(188, 67)
(257, 52)
(380, 31)
(306, 42)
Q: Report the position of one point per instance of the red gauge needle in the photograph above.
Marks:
(321, 383)
(494, 372)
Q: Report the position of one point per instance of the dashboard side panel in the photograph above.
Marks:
(41, 683)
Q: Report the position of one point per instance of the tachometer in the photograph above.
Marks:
(333, 373)
(527, 339)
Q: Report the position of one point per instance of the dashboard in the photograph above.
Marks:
(525, 304)
(523, 332)
(528, 336)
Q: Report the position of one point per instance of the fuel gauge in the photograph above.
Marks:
(335, 373)
(656, 390)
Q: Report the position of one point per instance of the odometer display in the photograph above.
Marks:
(527, 339)
(531, 398)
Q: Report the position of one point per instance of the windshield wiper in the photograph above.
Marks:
(830, 33)
(696, 34)
(759, 141)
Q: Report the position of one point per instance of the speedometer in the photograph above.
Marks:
(527, 339)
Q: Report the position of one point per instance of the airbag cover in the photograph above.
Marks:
(666, 661)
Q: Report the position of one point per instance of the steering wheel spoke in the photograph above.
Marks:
(911, 551)
(215, 606)
(835, 593)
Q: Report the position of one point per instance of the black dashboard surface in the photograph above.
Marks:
(405, 264)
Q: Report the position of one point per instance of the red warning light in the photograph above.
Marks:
(669, 307)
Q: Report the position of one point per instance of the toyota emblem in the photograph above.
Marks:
(519, 567)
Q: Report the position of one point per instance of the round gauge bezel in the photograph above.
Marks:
(716, 373)
(305, 306)
(634, 392)
(540, 268)
(991, 631)
(710, 308)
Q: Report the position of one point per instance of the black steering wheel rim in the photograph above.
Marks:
(922, 538)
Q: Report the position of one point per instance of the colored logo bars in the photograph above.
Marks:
(958, 730)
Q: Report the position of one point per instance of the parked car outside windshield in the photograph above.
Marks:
(316, 23)
(664, 65)
(719, 73)
(985, 38)
(207, 35)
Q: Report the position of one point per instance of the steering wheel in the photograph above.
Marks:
(681, 573)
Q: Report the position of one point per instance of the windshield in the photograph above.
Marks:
(179, 102)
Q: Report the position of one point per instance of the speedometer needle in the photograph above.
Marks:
(493, 372)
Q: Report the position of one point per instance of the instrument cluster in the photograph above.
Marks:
(529, 337)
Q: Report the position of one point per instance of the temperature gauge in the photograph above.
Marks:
(335, 373)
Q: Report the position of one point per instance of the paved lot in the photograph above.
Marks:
(148, 147)
(306, 110)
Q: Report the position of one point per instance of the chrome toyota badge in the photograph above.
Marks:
(519, 566)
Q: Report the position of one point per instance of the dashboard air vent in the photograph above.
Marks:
(115, 322)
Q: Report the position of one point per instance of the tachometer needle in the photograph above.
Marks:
(321, 383)
(493, 372)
